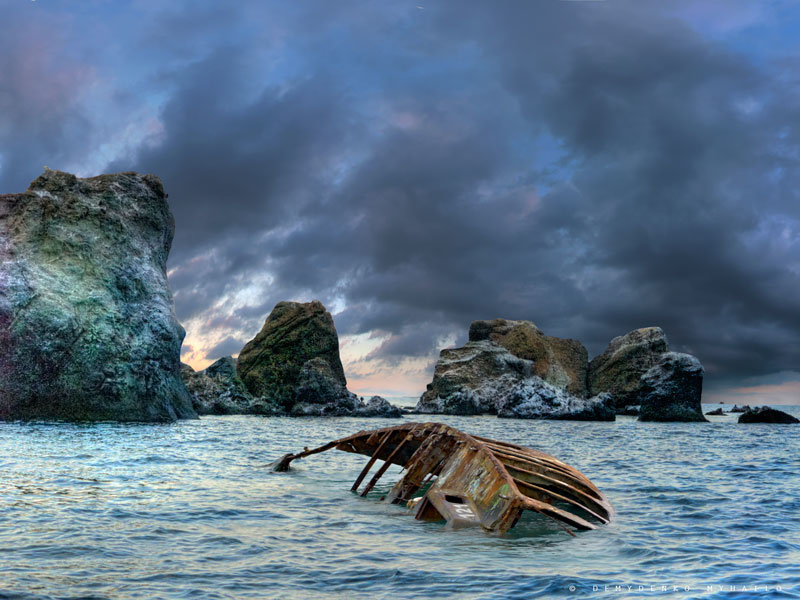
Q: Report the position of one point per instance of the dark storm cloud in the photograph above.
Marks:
(241, 170)
(652, 219)
(593, 167)
(42, 119)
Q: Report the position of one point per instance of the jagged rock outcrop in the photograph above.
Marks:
(293, 363)
(87, 325)
(638, 369)
(619, 369)
(560, 362)
(217, 390)
(293, 334)
(765, 414)
(671, 389)
(484, 377)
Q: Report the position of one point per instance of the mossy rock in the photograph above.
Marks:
(293, 334)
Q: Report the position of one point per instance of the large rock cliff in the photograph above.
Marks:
(87, 326)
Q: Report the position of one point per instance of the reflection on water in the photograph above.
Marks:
(189, 510)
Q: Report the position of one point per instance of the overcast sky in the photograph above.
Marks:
(594, 167)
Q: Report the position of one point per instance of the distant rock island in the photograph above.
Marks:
(638, 369)
(292, 367)
(765, 414)
(87, 326)
(511, 369)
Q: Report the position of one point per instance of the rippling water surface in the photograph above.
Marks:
(189, 510)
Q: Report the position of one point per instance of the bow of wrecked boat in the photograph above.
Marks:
(470, 481)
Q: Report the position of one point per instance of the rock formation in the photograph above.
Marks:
(560, 362)
(485, 377)
(293, 334)
(619, 369)
(217, 390)
(717, 412)
(293, 363)
(671, 389)
(87, 326)
(510, 368)
(638, 369)
(765, 414)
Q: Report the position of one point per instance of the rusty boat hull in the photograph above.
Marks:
(470, 481)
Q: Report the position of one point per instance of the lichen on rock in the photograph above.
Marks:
(293, 334)
(558, 361)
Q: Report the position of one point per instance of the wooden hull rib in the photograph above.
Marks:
(471, 481)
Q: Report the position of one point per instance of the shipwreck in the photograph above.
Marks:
(468, 480)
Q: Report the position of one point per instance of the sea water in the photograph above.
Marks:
(191, 510)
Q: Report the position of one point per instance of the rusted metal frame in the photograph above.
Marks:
(540, 458)
(506, 521)
(575, 479)
(532, 459)
(371, 461)
(417, 468)
(567, 479)
(556, 467)
(547, 492)
(283, 463)
(431, 475)
(596, 503)
(341, 444)
(387, 463)
(551, 511)
(364, 441)
(517, 447)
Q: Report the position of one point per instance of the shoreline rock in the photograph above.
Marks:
(87, 324)
(619, 369)
(293, 334)
(217, 390)
(511, 369)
